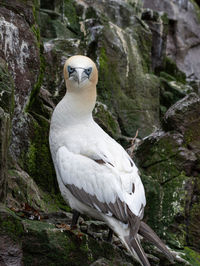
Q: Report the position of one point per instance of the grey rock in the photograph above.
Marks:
(183, 43)
(4, 140)
(101, 262)
(189, 108)
(170, 170)
(20, 51)
(10, 252)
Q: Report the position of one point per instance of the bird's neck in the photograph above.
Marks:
(76, 107)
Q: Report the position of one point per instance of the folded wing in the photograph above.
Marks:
(97, 184)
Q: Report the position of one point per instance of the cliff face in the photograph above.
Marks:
(183, 41)
(148, 65)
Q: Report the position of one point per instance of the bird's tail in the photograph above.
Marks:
(133, 244)
(150, 235)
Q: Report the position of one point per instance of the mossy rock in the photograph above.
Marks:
(187, 108)
(10, 224)
(6, 88)
(165, 183)
(172, 69)
(53, 28)
(106, 120)
(43, 243)
(54, 247)
(171, 91)
(193, 229)
(37, 160)
(124, 87)
(192, 257)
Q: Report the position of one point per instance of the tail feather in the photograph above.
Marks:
(151, 236)
(137, 250)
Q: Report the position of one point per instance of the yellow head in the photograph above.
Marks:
(80, 72)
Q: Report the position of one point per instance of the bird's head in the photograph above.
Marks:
(80, 72)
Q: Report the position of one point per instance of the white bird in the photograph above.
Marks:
(95, 174)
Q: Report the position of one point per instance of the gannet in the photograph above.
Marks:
(96, 176)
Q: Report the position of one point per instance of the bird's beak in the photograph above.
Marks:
(80, 75)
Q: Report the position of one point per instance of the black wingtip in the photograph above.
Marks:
(152, 237)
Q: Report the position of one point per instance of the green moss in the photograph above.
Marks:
(191, 134)
(164, 203)
(38, 159)
(144, 45)
(172, 69)
(10, 224)
(192, 257)
(11, 227)
(166, 76)
(106, 120)
(105, 82)
(37, 86)
(91, 13)
(59, 248)
(174, 85)
(193, 230)
(39, 166)
(7, 101)
(31, 158)
(171, 92)
(54, 202)
(157, 151)
(71, 14)
(173, 202)
(164, 182)
(196, 9)
(153, 198)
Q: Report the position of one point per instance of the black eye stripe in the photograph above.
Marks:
(70, 69)
(73, 69)
(88, 71)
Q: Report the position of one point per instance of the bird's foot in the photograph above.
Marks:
(75, 217)
(110, 236)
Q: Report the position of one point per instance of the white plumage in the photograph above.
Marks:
(95, 174)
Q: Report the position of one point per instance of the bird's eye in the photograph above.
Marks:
(70, 70)
(88, 71)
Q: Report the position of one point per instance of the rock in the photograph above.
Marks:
(106, 120)
(4, 140)
(10, 252)
(40, 243)
(104, 262)
(171, 174)
(112, 44)
(19, 48)
(183, 41)
(189, 108)
(22, 189)
(158, 24)
(100, 262)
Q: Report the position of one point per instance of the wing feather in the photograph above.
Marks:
(98, 185)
